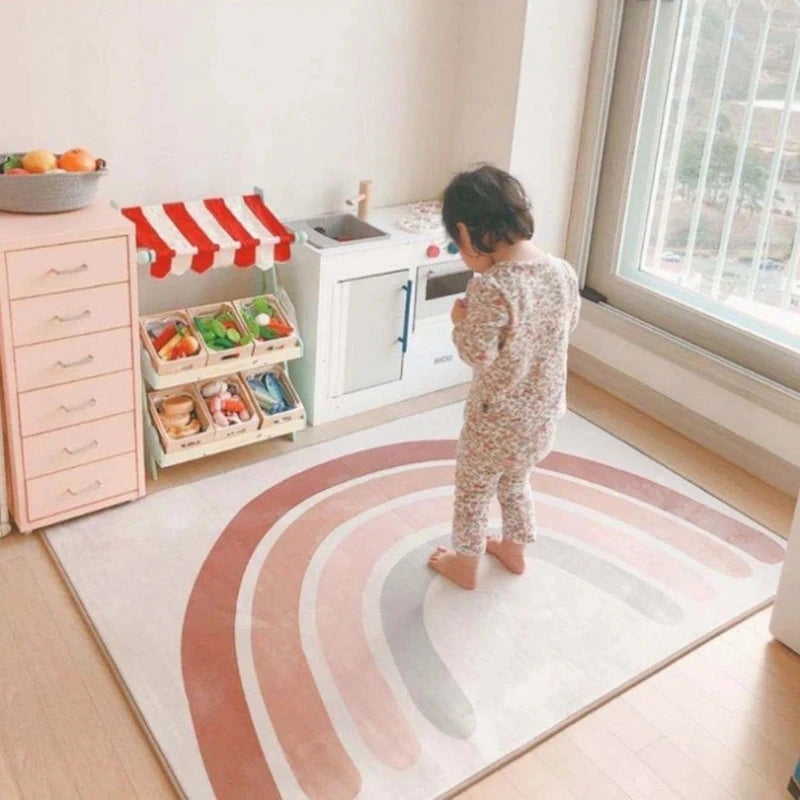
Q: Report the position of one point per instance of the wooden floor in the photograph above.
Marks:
(723, 722)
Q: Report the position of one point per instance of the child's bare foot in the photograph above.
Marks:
(461, 570)
(510, 554)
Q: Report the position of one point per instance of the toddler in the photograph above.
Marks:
(512, 329)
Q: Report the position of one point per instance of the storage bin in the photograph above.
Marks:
(268, 345)
(296, 413)
(216, 356)
(161, 365)
(170, 443)
(239, 428)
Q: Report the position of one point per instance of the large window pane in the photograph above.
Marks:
(715, 222)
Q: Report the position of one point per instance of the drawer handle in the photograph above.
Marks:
(93, 486)
(73, 317)
(88, 404)
(81, 362)
(70, 271)
(74, 451)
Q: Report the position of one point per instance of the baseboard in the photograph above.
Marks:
(758, 461)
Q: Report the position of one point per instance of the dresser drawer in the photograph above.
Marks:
(81, 486)
(43, 270)
(74, 403)
(50, 318)
(80, 444)
(72, 359)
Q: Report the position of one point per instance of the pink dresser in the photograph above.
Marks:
(69, 352)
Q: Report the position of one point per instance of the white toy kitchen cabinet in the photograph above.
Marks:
(374, 308)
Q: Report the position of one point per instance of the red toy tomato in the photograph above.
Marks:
(164, 337)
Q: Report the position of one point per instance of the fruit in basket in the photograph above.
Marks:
(10, 163)
(39, 161)
(77, 160)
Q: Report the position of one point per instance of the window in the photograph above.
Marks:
(698, 222)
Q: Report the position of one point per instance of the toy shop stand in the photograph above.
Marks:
(216, 335)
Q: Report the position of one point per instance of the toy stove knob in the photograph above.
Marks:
(433, 251)
(452, 248)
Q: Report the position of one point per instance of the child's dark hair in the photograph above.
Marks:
(491, 204)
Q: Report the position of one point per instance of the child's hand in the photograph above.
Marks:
(459, 311)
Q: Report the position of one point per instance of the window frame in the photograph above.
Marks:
(616, 236)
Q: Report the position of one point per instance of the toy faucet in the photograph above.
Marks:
(362, 199)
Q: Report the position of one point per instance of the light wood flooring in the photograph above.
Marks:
(723, 722)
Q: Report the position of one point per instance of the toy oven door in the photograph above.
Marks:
(438, 286)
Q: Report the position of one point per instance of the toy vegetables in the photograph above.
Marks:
(224, 403)
(269, 393)
(172, 339)
(263, 321)
(221, 332)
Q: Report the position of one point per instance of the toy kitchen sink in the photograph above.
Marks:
(373, 300)
(336, 230)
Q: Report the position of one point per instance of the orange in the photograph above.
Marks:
(78, 160)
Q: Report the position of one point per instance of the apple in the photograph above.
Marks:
(39, 161)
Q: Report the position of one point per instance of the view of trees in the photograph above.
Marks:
(751, 199)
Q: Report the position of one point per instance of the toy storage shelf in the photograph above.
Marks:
(177, 238)
(211, 371)
(213, 448)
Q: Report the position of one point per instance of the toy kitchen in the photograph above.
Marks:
(373, 300)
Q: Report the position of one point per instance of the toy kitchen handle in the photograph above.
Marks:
(407, 287)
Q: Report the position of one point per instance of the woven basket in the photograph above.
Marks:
(49, 193)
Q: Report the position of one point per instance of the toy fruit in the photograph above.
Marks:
(16, 171)
(39, 161)
(77, 160)
(221, 332)
(225, 404)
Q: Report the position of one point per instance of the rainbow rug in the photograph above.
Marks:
(281, 637)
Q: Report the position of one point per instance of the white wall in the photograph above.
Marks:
(549, 110)
(488, 77)
(194, 98)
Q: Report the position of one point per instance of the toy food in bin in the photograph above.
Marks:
(230, 406)
(277, 399)
(180, 418)
(224, 335)
(172, 343)
(266, 322)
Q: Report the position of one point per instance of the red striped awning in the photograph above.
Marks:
(202, 234)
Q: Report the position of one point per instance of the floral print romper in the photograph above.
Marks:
(515, 337)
